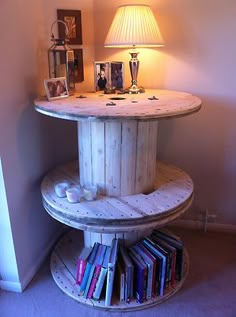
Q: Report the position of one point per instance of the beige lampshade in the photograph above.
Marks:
(134, 25)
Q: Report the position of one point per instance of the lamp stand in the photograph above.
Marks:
(134, 67)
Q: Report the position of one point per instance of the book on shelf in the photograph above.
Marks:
(150, 268)
(167, 255)
(179, 246)
(172, 253)
(97, 268)
(140, 275)
(102, 276)
(129, 273)
(88, 268)
(155, 281)
(120, 278)
(161, 260)
(81, 264)
(111, 271)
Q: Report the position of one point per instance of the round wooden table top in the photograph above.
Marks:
(153, 104)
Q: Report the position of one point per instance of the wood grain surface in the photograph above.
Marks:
(138, 106)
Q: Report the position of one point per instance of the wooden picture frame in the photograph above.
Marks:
(72, 18)
(56, 88)
(78, 65)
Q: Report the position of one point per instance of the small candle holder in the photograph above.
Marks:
(74, 194)
(61, 187)
(90, 192)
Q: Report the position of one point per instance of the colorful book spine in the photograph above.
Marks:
(102, 275)
(139, 279)
(149, 264)
(98, 264)
(88, 268)
(81, 265)
(111, 272)
(153, 259)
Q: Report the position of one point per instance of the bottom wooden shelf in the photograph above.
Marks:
(63, 268)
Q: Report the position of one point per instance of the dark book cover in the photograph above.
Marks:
(139, 273)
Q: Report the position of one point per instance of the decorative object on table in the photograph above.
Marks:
(117, 75)
(134, 26)
(90, 192)
(72, 18)
(78, 65)
(74, 194)
(60, 188)
(61, 57)
(101, 75)
(56, 88)
(109, 76)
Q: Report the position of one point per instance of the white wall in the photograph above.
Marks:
(199, 57)
(29, 144)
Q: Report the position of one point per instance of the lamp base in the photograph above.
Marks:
(134, 90)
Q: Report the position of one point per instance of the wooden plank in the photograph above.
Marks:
(94, 106)
(85, 153)
(152, 152)
(141, 179)
(113, 158)
(98, 155)
(174, 190)
(128, 157)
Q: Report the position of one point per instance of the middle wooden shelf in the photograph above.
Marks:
(171, 197)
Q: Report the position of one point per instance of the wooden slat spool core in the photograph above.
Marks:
(118, 156)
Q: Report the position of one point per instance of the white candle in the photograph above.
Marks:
(60, 188)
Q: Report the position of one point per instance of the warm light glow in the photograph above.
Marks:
(134, 25)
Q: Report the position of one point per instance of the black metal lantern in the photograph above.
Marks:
(61, 58)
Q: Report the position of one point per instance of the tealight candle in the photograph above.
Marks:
(74, 194)
(61, 187)
(90, 192)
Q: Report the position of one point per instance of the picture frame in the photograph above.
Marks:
(56, 88)
(117, 75)
(78, 65)
(108, 75)
(72, 18)
(101, 75)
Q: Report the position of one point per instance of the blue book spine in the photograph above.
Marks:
(85, 278)
(89, 280)
(160, 255)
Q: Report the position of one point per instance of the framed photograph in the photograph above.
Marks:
(72, 18)
(117, 75)
(56, 88)
(78, 65)
(101, 75)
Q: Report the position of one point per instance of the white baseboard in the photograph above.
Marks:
(20, 286)
(11, 286)
(198, 225)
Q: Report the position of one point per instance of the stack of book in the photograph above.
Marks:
(141, 271)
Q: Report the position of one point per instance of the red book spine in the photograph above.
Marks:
(80, 271)
(94, 281)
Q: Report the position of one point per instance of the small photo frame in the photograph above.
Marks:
(117, 75)
(101, 75)
(78, 65)
(72, 18)
(56, 88)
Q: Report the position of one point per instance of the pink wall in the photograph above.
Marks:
(29, 144)
(199, 57)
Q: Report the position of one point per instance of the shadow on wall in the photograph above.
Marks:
(204, 145)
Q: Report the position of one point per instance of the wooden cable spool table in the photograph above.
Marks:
(117, 138)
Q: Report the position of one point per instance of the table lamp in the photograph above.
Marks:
(134, 26)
